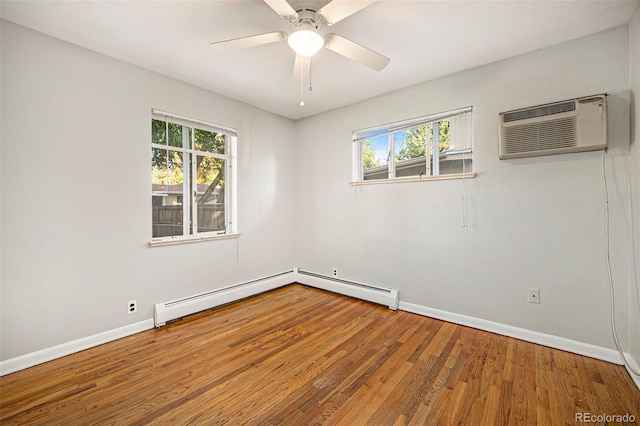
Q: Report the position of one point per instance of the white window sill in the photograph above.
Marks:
(413, 179)
(190, 239)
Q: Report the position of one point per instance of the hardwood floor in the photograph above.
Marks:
(300, 356)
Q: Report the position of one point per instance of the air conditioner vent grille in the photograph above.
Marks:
(540, 111)
(562, 127)
(561, 133)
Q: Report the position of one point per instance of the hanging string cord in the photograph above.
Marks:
(465, 213)
(464, 193)
(301, 83)
(609, 273)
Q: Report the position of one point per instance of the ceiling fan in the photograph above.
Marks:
(305, 39)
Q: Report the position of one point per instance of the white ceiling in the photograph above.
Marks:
(424, 39)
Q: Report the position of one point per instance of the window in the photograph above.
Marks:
(433, 145)
(191, 179)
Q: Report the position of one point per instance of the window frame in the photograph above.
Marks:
(190, 231)
(432, 172)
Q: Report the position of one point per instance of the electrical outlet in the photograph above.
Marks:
(534, 295)
(132, 306)
(335, 272)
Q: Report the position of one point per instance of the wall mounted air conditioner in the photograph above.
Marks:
(556, 128)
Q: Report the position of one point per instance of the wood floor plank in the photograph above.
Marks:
(299, 355)
(524, 385)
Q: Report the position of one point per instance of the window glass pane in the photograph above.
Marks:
(167, 177)
(443, 136)
(206, 141)
(158, 132)
(210, 194)
(158, 170)
(455, 145)
(375, 157)
(410, 148)
(175, 134)
(455, 163)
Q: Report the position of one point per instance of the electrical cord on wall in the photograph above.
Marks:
(464, 194)
(609, 274)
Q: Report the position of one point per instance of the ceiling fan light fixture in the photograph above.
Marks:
(305, 42)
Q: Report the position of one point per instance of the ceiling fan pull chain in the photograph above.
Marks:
(302, 84)
(310, 86)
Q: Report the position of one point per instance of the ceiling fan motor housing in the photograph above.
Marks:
(307, 17)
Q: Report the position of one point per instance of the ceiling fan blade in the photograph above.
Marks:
(282, 8)
(356, 52)
(255, 40)
(301, 70)
(337, 10)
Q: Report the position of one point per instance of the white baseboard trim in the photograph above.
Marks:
(635, 365)
(574, 346)
(38, 357)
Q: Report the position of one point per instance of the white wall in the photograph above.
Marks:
(533, 223)
(634, 82)
(75, 194)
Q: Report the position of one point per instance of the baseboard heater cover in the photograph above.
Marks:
(381, 295)
(179, 308)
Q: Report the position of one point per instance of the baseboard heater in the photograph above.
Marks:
(179, 308)
(381, 295)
